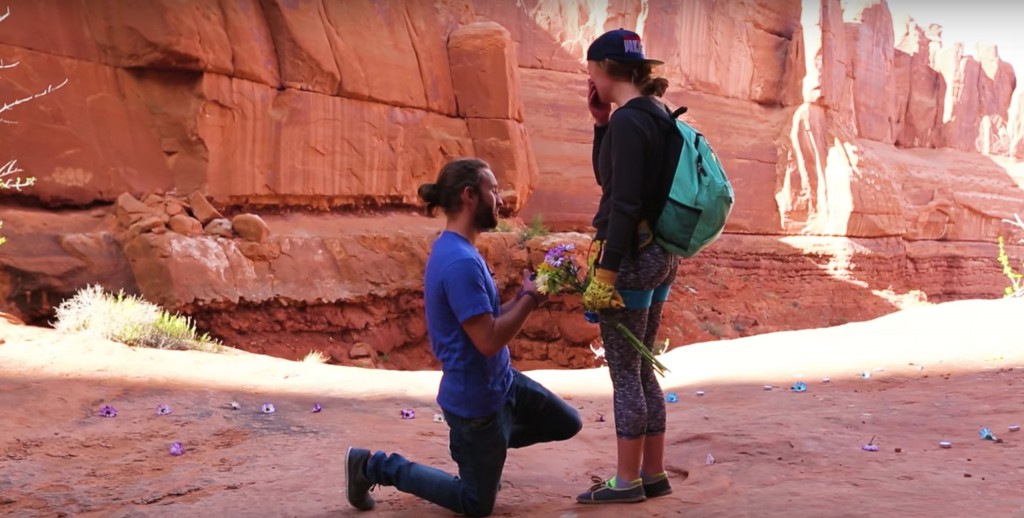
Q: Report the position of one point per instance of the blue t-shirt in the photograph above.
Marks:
(458, 286)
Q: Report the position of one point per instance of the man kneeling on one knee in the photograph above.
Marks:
(489, 406)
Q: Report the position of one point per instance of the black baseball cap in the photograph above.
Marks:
(619, 45)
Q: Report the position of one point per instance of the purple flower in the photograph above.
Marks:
(317, 408)
(408, 413)
(559, 255)
(163, 410)
(176, 449)
(267, 408)
(108, 411)
(869, 447)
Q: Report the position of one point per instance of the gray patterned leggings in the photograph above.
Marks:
(638, 399)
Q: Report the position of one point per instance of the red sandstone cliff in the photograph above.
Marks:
(867, 162)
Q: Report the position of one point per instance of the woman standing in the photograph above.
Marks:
(632, 274)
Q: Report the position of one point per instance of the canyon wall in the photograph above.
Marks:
(873, 162)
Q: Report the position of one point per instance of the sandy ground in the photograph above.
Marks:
(936, 373)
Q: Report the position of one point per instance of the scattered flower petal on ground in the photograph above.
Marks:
(317, 408)
(672, 397)
(163, 410)
(108, 411)
(709, 460)
(176, 449)
(408, 413)
(267, 408)
(799, 387)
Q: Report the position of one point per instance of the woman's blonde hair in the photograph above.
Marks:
(640, 74)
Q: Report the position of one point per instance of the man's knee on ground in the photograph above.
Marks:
(571, 431)
(479, 507)
(479, 501)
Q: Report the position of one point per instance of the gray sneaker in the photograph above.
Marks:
(605, 492)
(660, 487)
(357, 485)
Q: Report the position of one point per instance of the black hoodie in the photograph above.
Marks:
(634, 156)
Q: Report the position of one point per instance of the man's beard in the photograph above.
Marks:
(484, 219)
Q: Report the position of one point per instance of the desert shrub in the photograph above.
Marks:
(1016, 287)
(315, 357)
(130, 320)
(534, 229)
(505, 225)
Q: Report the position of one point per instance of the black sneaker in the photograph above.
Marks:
(659, 487)
(605, 492)
(357, 485)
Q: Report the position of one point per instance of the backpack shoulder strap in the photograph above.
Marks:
(667, 164)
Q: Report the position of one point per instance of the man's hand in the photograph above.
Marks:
(599, 109)
(601, 292)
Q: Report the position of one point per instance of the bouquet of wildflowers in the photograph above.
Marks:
(560, 274)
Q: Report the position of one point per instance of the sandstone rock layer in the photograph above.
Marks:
(899, 151)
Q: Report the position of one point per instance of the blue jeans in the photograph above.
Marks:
(531, 415)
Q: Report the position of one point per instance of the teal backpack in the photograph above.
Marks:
(700, 199)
